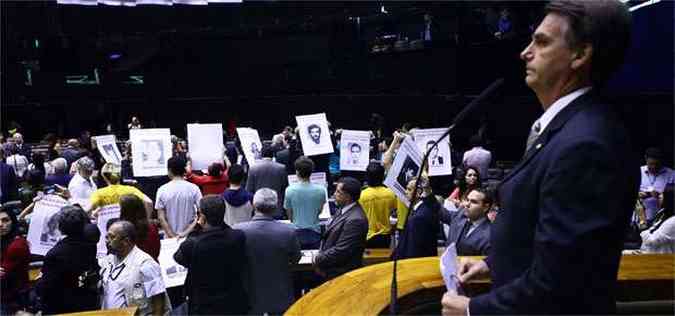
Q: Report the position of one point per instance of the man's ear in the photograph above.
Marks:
(582, 56)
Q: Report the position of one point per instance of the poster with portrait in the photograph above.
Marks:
(107, 146)
(406, 166)
(354, 150)
(250, 144)
(105, 214)
(320, 179)
(205, 144)
(151, 149)
(314, 134)
(173, 273)
(439, 159)
(43, 231)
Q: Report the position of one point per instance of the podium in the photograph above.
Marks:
(366, 291)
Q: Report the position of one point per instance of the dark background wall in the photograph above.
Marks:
(262, 63)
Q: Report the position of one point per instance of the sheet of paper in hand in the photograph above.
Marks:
(105, 214)
(205, 144)
(354, 150)
(314, 134)
(107, 146)
(439, 158)
(151, 149)
(173, 273)
(448, 265)
(405, 167)
(43, 231)
(250, 144)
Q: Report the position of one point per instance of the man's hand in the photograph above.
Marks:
(470, 269)
(454, 304)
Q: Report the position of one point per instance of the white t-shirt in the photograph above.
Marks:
(81, 188)
(119, 278)
(179, 199)
(19, 163)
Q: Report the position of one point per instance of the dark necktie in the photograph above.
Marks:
(534, 134)
(465, 230)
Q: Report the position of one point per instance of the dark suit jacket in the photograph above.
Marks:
(268, 174)
(419, 238)
(476, 244)
(8, 183)
(215, 260)
(343, 243)
(556, 243)
(63, 264)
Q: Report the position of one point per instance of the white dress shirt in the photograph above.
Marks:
(81, 188)
(558, 106)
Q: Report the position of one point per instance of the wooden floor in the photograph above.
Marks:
(366, 291)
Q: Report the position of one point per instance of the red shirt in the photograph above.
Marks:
(151, 243)
(14, 261)
(209, 184)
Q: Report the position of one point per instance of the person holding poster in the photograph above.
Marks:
(314, 134)
(151, 150)
(206, 144)
(111, 194)
(354, 150)
(14, 259)
(419, 236)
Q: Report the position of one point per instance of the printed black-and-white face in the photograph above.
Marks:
(355, 153)
(315, 134)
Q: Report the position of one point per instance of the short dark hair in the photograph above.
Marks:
(215, 169)
(605, 24)
(313, 126)
(177, 166)
(72, 220)
(304, 166)
(235, 174)
(488, 195)
(374, 174)
(351, 147)
(213, 208)
(475, 141)
(653, 153)
(352, 187)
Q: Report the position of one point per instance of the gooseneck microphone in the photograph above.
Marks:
(477, 104)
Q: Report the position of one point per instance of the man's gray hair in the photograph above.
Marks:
(265, 200)
(127, 229)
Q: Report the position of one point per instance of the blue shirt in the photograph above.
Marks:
(658, 182)
(306, 201)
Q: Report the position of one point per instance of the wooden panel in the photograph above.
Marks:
(366, 291)
(129, 311)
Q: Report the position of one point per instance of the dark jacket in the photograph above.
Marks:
(420, 235)
(8, 183)
(557, 241)
(215, 260)
(476, 244)
(343, 243)
(63, 264)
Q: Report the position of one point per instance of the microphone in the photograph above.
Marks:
(471, 108)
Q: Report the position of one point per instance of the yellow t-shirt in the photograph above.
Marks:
(401, 213)
(377, 203)
(111, 195)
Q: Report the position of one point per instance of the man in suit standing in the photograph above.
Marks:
(345, 237)
(268, 174)
(470, 227)
(9, 186)
(279, 246)
(556, 244)
(22, 148)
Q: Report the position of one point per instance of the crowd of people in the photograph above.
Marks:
(245, 226)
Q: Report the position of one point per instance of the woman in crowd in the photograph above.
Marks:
(215, 182)
(660, 238)
(465, 184)
(419, 237)
(66, 264)
(14, 259)
(147, 236)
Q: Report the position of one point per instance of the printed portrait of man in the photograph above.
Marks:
(355, 153)
(436, 160)
(314, 132)
(110, 152)
(153, 154)
(255, 151)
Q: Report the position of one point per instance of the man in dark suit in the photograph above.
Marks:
(266, 173)
(9, 187)
(343, 242)
(216, 259)
(470, 227)
(557, 241)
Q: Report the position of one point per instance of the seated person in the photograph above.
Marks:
(660, 238)
(470, 226)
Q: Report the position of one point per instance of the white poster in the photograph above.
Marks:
(105, 214)
(43, 231)
(151, 149)
(314, 134)
(205, 144)
(173, 273)
(107, 146)
(439, 158)
(320, 179)
(250, 144)
(354, 150)
(405, 167)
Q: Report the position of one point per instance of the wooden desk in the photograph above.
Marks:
(129, 311)
(369, 287)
